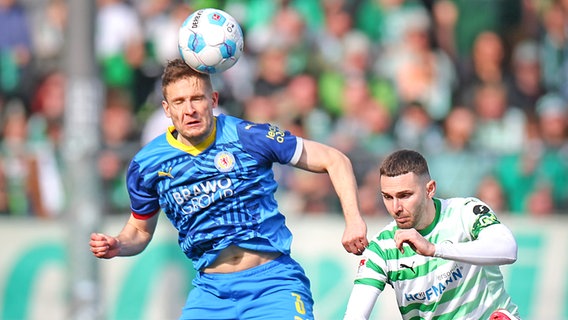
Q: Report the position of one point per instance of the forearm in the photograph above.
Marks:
(495, 245)
(344, 183)
(361, 302)
(134, 237)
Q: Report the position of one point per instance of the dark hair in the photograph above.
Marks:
(402, 162)
(177, 69)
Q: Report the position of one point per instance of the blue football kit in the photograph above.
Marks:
(221, 193)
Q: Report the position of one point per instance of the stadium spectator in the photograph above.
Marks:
(45, 136)
(415, 129)
(119, 144)
(119, 43)
(48, 25)
(458, 242)
(534, 179)
(525, 86)
(457, 163)
(486, 65)
(16, 162)
(16, 68)
(500, 127)
(419, 71)
(554, 48)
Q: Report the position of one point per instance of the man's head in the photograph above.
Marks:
(407, 189)
(189, 100)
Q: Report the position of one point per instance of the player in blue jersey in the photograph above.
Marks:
(441, 256)
(212, 177)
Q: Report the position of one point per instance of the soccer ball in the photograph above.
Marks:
(210, 40)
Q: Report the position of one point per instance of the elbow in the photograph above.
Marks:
(510, 252)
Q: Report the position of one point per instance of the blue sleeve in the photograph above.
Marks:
(268, 143)
(143, 198)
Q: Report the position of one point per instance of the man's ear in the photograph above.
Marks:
(215, 98)
(431, 188)
(166, 108)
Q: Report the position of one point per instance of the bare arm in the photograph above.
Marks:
(317, 157)
(132, 240)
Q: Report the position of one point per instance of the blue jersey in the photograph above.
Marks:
(217, 194)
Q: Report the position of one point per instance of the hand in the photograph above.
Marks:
(103, 246)
(355, 236)
(416, 241)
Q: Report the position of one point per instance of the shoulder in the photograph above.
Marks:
(467, 205)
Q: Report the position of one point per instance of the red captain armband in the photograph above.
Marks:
(144, 216)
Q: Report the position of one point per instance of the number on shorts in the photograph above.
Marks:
(299, 304)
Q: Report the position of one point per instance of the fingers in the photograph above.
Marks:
(401, 237)
(356, 246)
(99, 245)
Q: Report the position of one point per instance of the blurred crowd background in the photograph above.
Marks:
(480, 87)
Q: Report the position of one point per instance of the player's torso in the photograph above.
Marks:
(224, 193)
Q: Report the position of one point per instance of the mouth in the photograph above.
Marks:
(192, 123)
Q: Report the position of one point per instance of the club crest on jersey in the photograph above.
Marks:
(224, 161)
(361, 265)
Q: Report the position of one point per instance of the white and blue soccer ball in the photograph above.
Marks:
(210, 40)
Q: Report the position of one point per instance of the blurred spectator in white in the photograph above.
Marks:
(419, 71)
(329, 39)
(16, 71)
(458, 165)
(119, 38)
(415, 129)
(501, 128)
(161, 21)
(49, 23)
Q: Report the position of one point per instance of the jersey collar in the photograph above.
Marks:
(193, 150)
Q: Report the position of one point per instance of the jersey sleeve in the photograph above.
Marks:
(477, 216)
(143, 199)
(268, 143)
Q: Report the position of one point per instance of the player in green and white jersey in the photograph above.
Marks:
(441, 256)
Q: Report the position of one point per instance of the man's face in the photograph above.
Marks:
(406, 198)
(190, 106)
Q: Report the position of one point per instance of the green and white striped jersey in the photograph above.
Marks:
(436, 288)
